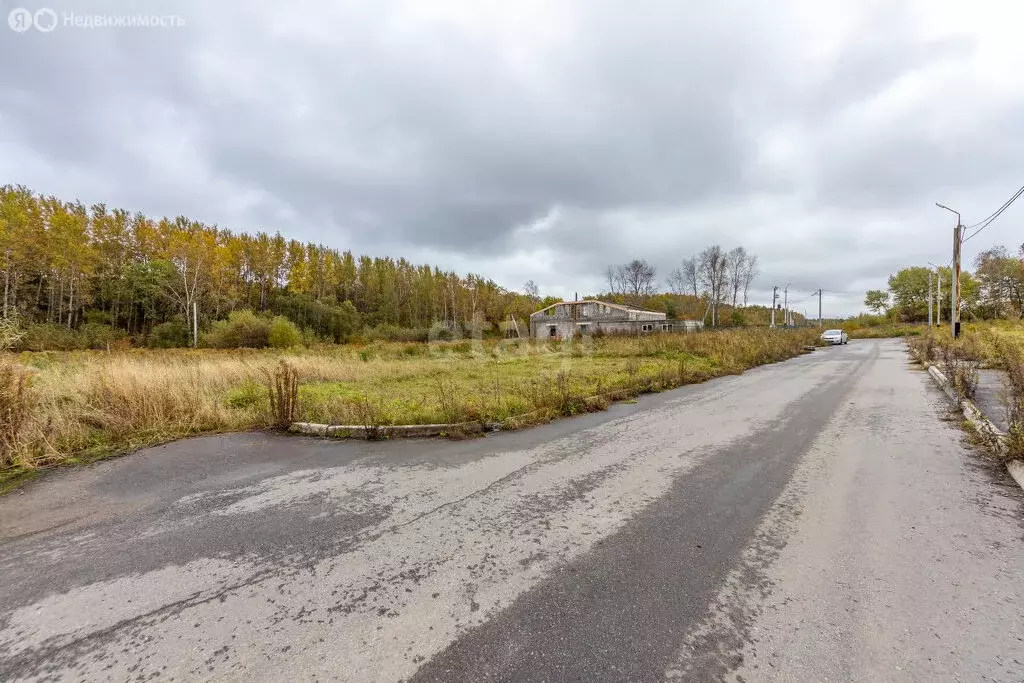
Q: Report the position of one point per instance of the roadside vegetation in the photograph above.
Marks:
(69, 407)
(993, 344)
(992, 325)
(878, 327)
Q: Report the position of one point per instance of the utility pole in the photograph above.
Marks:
(954, 294)
(929, 298)
(775, 297)
(955, 314)
(938, 294)
(819, 308)
(786, 303)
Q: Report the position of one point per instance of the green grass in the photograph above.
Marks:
(491, 390)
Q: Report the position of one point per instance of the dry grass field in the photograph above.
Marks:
(64, 408)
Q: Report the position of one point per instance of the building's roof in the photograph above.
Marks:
(593, 301)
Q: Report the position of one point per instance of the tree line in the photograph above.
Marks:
(994, 289)
(715, 276)
(65, 264)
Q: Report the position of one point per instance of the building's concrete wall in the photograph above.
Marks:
(587, 317)
(685, 325)
(592, 310)
(541, 328)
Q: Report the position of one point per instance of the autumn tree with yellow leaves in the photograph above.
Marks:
(65, 264)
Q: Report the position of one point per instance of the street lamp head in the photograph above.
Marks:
(943, 206)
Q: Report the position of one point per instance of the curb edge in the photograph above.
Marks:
(985, 427)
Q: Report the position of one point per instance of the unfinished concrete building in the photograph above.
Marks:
(567, 318)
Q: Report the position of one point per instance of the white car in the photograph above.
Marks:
(835, 337)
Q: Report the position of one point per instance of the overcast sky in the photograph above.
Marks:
(541, 139)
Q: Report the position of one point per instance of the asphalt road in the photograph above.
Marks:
(820, 519)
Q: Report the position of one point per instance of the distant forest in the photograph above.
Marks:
(76, 276)
(67, 264)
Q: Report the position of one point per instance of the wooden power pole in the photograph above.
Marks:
(954, 289)
(929, 298)
(957, 243)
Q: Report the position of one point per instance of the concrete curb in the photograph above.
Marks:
(994, 436)
(391, 431)
(1016, 468)
(944, 384)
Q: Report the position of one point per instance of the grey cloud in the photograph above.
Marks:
(444, 130)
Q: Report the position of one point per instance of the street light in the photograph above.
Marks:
(954, 295)
(943, 206)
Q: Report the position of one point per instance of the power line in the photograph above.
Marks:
(991, 215)
(988, 221)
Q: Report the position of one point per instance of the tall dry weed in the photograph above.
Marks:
(1011, 356)
(16, 404)
(283, 386)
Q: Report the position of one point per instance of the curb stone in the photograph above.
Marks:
(391, 431)
(992, 434)
(1016, 468)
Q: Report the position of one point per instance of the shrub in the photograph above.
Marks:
(99, 335)
(310, 337)
(960, 370)
(336, 322)
(397, 334)
(53, 337)
(10, 332)
(440, 332)
(97, 317)
(283, 333)
(169, 335)
(242, 329)
(50, 337)
(924, 346)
